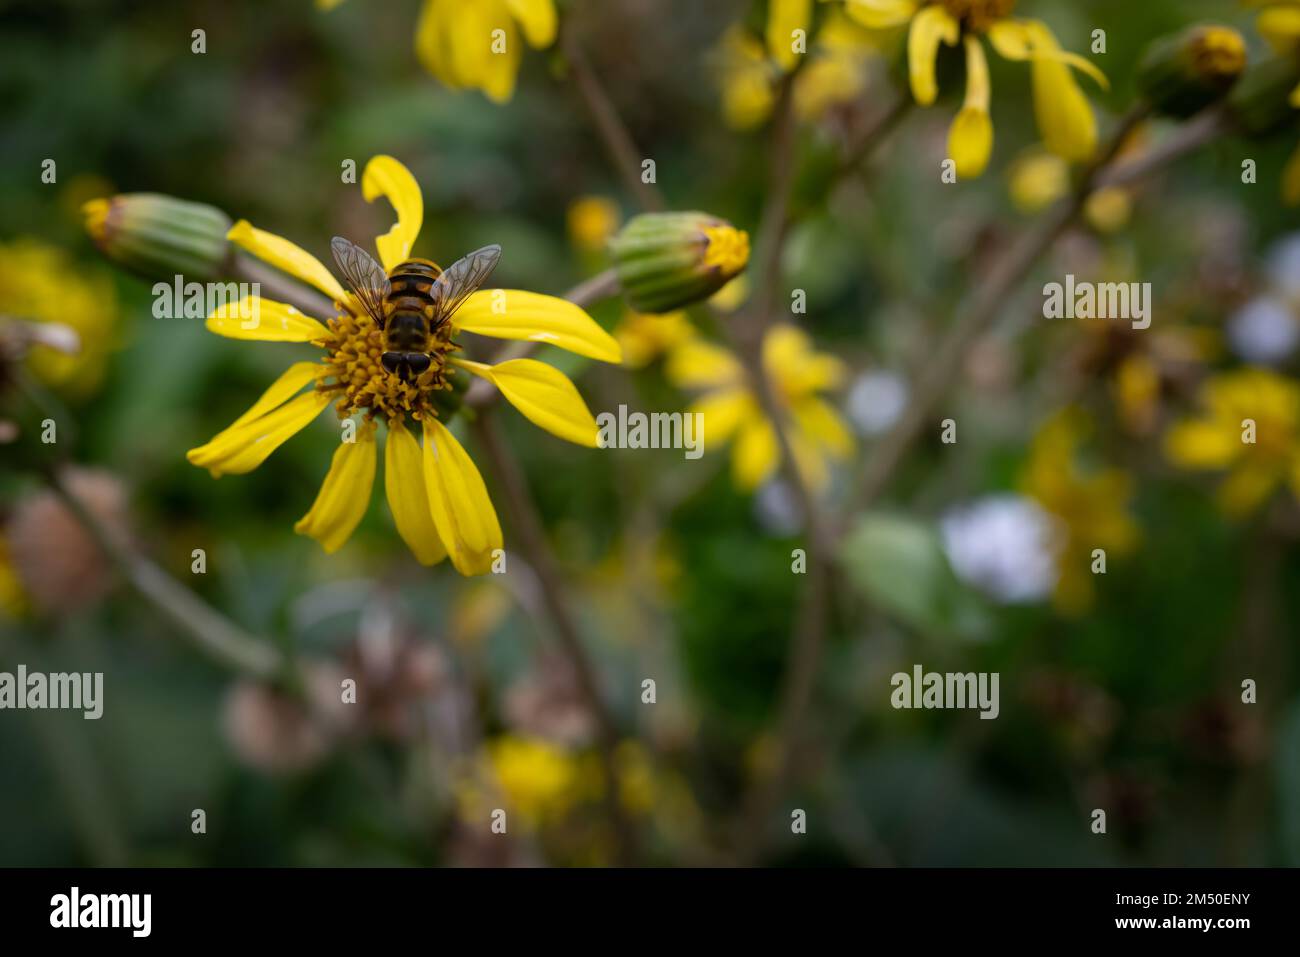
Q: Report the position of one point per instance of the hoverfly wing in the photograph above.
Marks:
(461, 279)
(364, 276)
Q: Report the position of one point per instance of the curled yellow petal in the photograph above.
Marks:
(545, 396)
(537, 19)
(462, 511)
(253, 317)
(385, 176)
(531, 316)
(1065, 117)
(287, 257)
(408, 498)
(344, 495)
(930, 26)
(245, 445)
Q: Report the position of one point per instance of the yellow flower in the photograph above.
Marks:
(1250, 429)
(535, 779)
(43, 284)
(475, 44)
(1065, 118)
(787, 31)
(1091, 507)
(836, 72)
(645, 337)
(437, 497)
(732, 410)
(591, 221)
(1279, 24)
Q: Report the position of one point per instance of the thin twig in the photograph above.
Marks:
(618, 142)
(528, 530)
(943, 365)
(214, 634)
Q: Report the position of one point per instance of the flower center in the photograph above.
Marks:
(979, 14)
(355, 349)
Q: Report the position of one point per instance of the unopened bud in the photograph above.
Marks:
(1184, 73)
(1263, 100)
(159, 237)
(669, 260)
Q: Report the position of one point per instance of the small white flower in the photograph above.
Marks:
(1003, 545)
(875, 401)
(1264, 331)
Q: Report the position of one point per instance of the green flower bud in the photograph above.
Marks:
(1186, 72)
(668, 260)
(1262, 102)
(159, 237)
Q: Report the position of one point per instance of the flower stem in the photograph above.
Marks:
(623, 152)
(215, 635)
(532, 538)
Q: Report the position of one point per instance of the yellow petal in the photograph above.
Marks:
(253, 317)
(698, 364)
(287, 257)
(724, 411)
(810, 462)
(344, 495)
(545, 396)
(502, 53)
(784, 17)
(756, 455)
(1033, 40)
(930, 25)
(408, 498)
(1195, 444)
(970, 139)
(463, 513)
(880, 14)
(385, 176)
(246, 444)
(537, 18)
(282, 389)
(822, 425)
(1246, 488)
(1064, 115)
(431, 43)
(516, 314)
(1280, 27)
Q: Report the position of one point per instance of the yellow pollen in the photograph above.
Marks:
(353, 362)
(979, 14)
(727, 250)
(1218, 52)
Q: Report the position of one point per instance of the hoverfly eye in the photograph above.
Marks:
(391, 361)
(419, 363)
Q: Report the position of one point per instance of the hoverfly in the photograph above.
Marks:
(412, 302)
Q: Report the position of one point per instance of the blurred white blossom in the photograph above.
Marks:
(1003, 546)
(876, 400)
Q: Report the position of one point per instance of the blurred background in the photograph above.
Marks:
(1120, 691)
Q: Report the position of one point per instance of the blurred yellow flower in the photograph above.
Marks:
(436, 495)
(787, 31)
(645, 337)
(591, 221)
(1279, 24)
(835, 74)
(1064, 115)
(731, 410)
(476, 45)
(42, 283)
(1091, 507)
(533, 779)
(13, 601)
(1039, 178)
(1250, 430)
